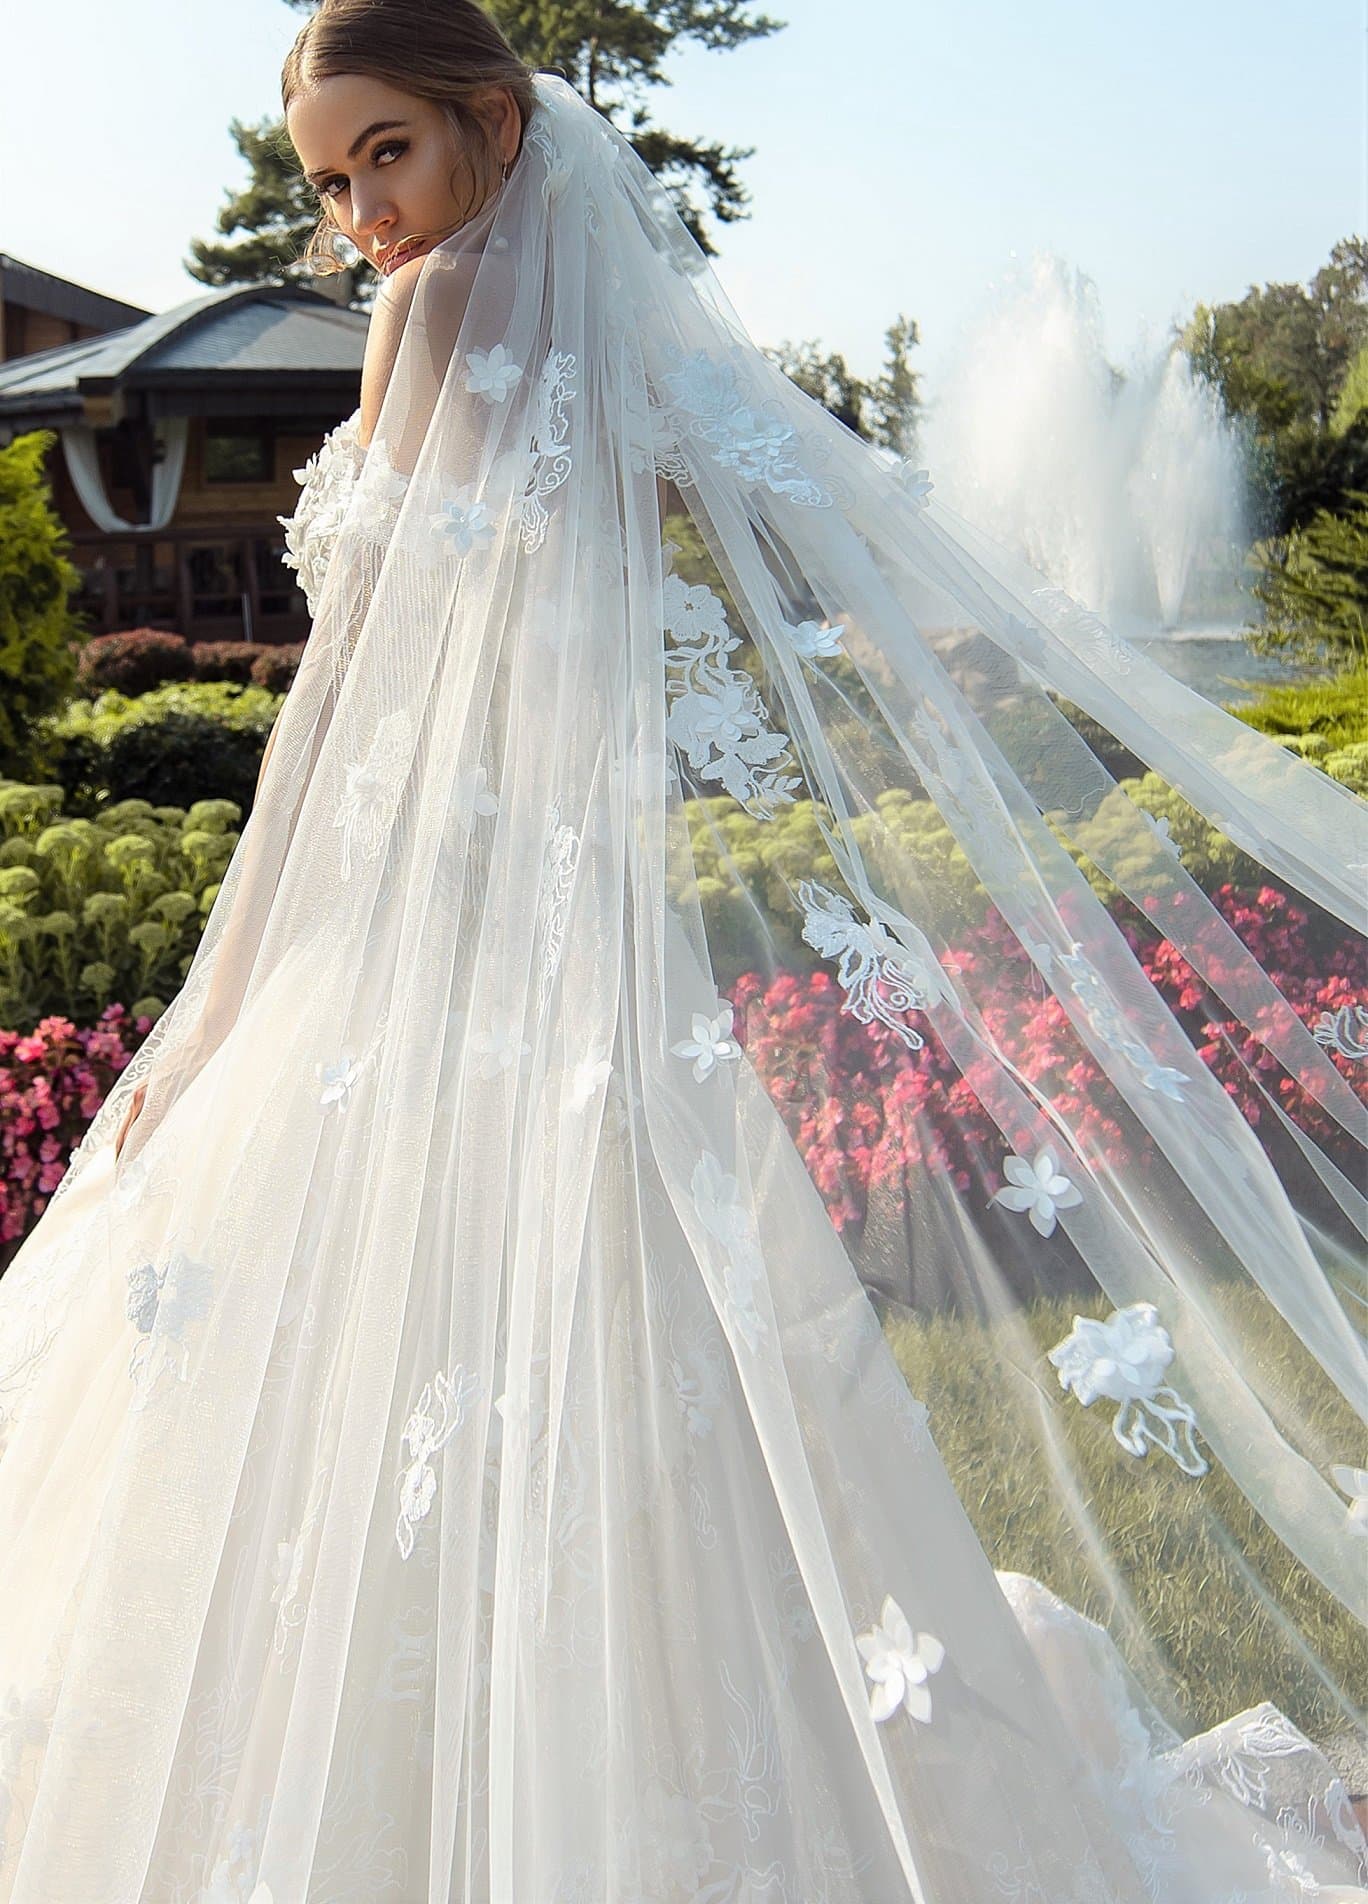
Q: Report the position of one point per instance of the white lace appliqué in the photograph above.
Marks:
(550, 445)
(553, 899)
(1072, 618)
(880, 977)
(1100, 1009)
(709, 403)
(1345, 1031)
(899, 1664)
(723, 1213)
(716, 715)
(371, 796)
(424, 1435)
(1123, 1359)
(161, 1304)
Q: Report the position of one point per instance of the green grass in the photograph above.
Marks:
(1207, 1578)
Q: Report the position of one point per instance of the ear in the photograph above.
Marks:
(498, 108)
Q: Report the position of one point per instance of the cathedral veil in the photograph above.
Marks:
(665, 984)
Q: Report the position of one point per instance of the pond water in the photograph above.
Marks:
(1219, 664)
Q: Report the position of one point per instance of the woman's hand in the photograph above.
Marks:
(136, 1104)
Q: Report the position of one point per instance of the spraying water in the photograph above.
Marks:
(1127, 490)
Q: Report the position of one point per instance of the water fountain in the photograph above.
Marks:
(1126, 490)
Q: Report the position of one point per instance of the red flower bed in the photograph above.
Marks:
(864, 1110)
(52, 1081)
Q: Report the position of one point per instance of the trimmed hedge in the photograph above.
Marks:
(172, 746)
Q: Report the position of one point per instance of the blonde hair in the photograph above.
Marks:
(447, 51)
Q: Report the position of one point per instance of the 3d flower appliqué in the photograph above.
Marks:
(499, 1046)
(474, 798)
(1123, 1359)
(462, 523)
(492, 374)
(1037, 1188)
(711, 1043)
(813, 639)
(899, 1664)
(425, 1433)
(335, 1081)
(916, 483)
(371, 794)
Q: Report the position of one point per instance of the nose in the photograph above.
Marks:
(373, 225)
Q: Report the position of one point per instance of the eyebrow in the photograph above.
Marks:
(381, 125)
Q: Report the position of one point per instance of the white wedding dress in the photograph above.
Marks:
(407, 1494)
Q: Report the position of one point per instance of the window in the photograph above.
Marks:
(238, 453)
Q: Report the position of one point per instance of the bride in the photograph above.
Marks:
(452, 1445)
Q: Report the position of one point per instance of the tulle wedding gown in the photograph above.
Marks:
(453, 1456)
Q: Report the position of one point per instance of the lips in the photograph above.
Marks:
(405, 250)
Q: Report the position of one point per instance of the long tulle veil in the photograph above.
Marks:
(751, 1193)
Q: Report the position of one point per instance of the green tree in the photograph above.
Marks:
(885, 410)
(1281, 358)
(276, 210)
(1353, 396)
(1314, 588)
(613, 53)
(37, 626)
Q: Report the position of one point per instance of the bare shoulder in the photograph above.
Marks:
(445, 296)
(389, 315)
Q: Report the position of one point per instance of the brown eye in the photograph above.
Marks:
(388, 145)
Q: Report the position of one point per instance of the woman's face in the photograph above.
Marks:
(389, 167)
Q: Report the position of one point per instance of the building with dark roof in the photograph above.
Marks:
(177, 435)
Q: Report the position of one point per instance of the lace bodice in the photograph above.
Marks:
(327, 478)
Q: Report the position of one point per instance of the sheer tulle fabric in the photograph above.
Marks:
(454, 1455)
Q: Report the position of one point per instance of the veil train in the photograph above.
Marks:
(741, 1277)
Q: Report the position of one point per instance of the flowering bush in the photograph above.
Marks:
(865, 1112)
(52, 1081)
(133, 660)
(224, 660)
(276, 666)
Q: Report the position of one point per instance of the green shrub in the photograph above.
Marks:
(176, 744)
(1335, 709)
(110, 908)
(37, 628)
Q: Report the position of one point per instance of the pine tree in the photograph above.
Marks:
(276, 210)
(884, 411)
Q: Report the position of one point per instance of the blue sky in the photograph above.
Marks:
(908, 155)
